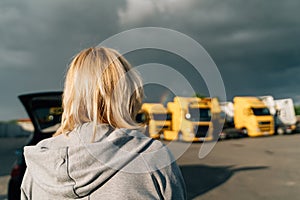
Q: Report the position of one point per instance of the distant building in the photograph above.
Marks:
(26, 124)
(18, 128)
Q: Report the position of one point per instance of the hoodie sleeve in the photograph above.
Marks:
(23, 195)
(169, 183)
(26, 186)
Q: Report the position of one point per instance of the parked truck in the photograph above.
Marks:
(283, 112)
(252, 116)
(156, 118)
(286, 116)
(192, 118)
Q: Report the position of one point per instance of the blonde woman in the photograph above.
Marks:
(99, 151)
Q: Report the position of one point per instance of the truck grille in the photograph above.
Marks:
(200, 131)
(264, 123)
(162, 128)
(265, 129)
(264, 126)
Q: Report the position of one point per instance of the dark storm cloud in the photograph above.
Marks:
(38, 40)
(254, 43)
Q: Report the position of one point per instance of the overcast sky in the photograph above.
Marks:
(255, 44)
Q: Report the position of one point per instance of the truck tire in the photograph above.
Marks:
(280, 131)
(222, 136)
(245, 132)
(180, 138)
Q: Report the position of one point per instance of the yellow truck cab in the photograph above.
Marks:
(252, 116)
(156, 119)
(191, 119)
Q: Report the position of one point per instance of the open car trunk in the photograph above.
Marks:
(44, 110)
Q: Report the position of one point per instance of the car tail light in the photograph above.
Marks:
(16, 171)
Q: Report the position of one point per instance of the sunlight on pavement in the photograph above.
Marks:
(3, 185)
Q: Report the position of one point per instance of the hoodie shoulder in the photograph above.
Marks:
(55, 142)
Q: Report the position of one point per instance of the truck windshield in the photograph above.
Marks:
(199, 114)
(141, 117)
(261, 111)
(161, 117)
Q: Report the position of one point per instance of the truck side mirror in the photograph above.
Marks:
(278, 112)
(141, 117)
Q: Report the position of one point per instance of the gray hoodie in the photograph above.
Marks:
(118, 164)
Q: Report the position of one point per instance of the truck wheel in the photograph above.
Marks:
(222, 136)
(245, 132)
(280, 131)
(180, 137)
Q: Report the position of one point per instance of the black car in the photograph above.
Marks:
(44, 110)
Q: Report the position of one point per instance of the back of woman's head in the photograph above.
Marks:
(100, 87)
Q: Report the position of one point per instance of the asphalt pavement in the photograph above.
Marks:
(246, 168)
(264, 168)
(8, 147)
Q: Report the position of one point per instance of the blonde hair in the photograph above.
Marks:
(100, 87)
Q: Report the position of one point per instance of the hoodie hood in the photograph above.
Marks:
(72, 166)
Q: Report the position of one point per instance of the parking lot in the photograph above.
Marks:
(8, 147)
(246, 168)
